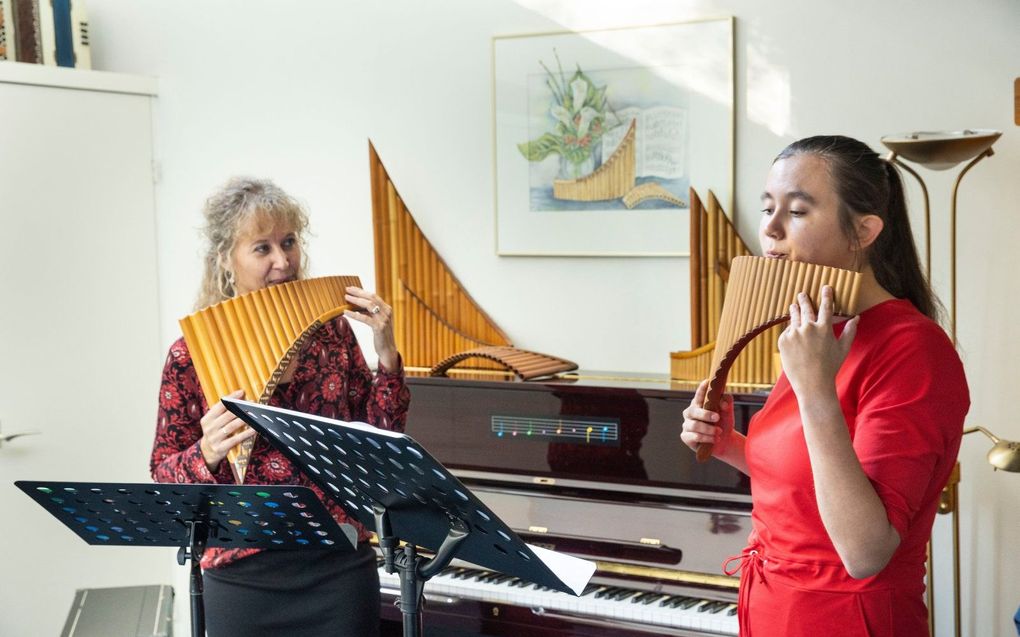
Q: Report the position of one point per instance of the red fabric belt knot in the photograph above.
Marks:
(751, 566)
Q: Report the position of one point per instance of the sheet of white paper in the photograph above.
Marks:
(572, 571)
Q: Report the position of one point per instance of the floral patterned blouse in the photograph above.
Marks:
(331, 380)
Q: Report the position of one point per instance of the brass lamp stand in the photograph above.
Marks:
(940, 151)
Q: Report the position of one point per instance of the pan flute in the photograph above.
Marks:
(758, 296)
(249, 341)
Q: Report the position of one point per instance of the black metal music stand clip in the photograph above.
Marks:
(388, 481)
(192, 517)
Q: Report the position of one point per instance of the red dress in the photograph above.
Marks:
(904, 396)
(331, 379)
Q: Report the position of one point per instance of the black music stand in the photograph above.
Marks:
(388, 481)
(192, 517)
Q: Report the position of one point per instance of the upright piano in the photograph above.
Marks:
(590, 464)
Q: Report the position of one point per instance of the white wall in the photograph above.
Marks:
(293, 91)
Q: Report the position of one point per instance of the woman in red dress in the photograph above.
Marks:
(850, 453)
(255, 237)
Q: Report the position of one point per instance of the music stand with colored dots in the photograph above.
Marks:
(389, 482)
(192, 517)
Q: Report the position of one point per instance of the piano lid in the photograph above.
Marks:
(586, 431)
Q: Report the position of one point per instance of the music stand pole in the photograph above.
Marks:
(194, 547)
(414, 570)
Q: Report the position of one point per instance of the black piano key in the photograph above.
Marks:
(689, 602)
(674, 601)
(639, 598)
(624, 594)
(711, 607)
(652, 597)
(732, 611)
(589, 589)
(609, 590)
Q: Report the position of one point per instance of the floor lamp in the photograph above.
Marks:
(941, 151)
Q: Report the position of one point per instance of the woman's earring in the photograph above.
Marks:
(230, 280)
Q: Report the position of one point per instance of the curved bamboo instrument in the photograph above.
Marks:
(758, 296)
(434, 317)
(526, 365)
(714, 244)
(249, 341)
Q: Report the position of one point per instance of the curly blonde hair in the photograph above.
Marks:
(228, 209)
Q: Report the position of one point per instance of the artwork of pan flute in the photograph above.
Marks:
(594, 155)
(600, 134)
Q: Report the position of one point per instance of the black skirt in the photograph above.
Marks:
(294, 593)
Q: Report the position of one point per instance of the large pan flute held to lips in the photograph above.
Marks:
(249, 341)
(758, 296)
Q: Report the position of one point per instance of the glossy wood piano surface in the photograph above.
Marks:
(590, 464)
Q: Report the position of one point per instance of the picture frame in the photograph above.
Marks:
(597, 136)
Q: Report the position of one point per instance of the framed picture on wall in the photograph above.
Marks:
(598, 136)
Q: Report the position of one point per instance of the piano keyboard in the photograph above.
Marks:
(615, 603)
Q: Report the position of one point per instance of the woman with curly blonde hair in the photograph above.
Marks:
(255, 238)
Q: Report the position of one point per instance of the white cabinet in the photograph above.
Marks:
(80, 351)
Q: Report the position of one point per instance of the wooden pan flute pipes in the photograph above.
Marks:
(249, 341)
(758, 296)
